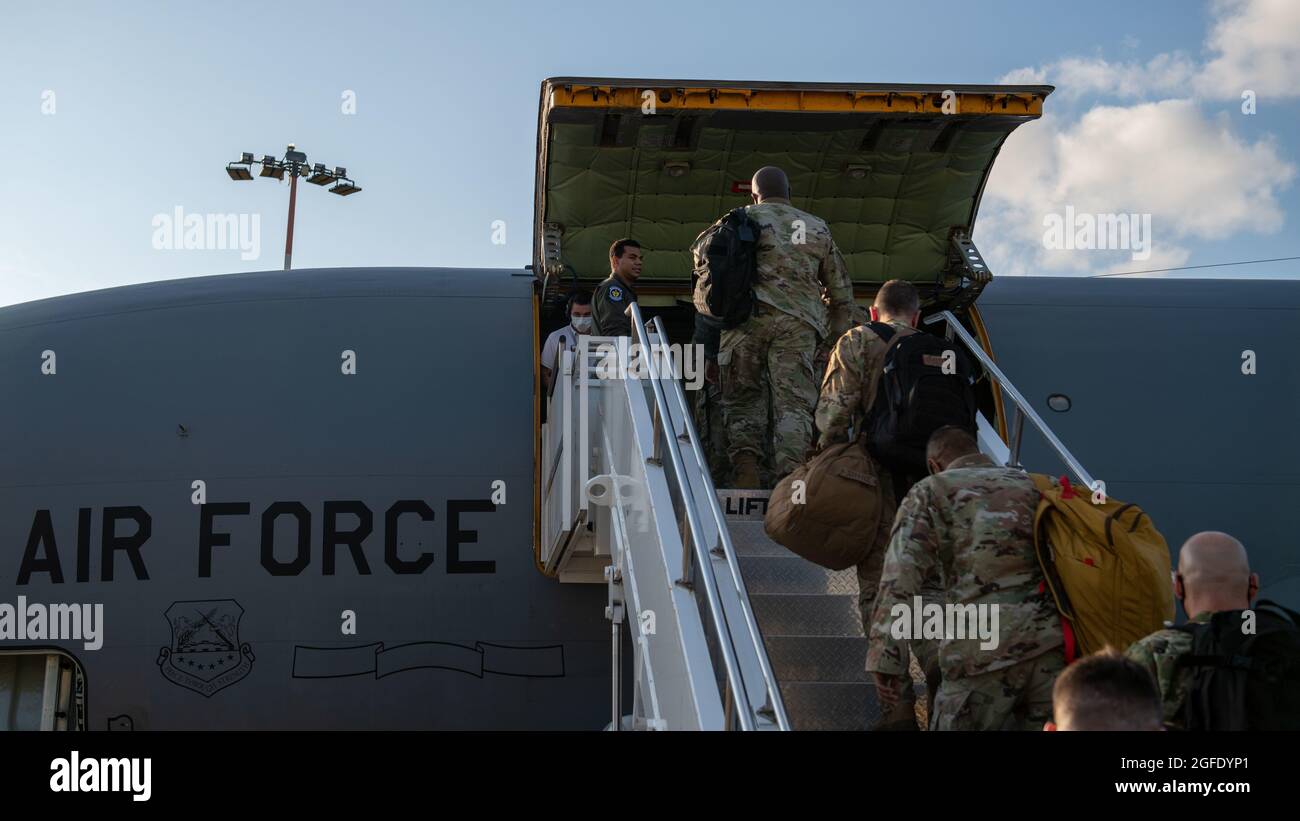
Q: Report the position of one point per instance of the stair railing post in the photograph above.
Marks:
(1017, 436)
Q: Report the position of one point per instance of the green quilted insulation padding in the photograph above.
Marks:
(894, 223)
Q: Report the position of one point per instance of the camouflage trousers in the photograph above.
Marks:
(766, 369)
(1018, 697)
(712, 432)
(871, 566)
(925, 653)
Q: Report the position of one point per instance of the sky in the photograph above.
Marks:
(113, 116)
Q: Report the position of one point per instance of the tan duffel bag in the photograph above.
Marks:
(832, 518)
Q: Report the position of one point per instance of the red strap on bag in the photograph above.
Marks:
(1067, 491)
(1071, 647)
(1067, 632)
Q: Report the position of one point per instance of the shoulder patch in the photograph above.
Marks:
(615, 293)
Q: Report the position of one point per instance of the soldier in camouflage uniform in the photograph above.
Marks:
(847, 394)
(971, 521)
(767, 361)
(1213, 575)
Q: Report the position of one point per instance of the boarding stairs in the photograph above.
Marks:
(728, 630)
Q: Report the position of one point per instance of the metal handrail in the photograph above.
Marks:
(734, 679)
(729, 551)
(555, 366)
(1023, 409)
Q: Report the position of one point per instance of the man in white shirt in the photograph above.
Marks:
(579, 313)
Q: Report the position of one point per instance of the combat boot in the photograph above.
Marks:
(745, 472)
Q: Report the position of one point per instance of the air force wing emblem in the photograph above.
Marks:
(205, 654)
(615, 293)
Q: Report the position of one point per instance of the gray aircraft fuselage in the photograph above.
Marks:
(326, 492)
(365, 499)
(1162, 407)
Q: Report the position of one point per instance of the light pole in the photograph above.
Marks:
(294, 164)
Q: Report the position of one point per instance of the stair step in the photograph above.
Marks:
(791, 575)
(818, 658)
(807, 615)
(748, 538)
(817, 705)
(810, 623)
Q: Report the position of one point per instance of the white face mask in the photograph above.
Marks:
(581, 324)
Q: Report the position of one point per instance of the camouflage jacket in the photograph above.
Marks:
(973, 523)
(801, 278)
(608, 303)
(1158, 653)
(852, 376)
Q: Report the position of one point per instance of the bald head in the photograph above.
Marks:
(1214, 574)
(769, 181)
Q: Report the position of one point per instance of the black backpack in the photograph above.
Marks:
(916, 397)
(1244, 681)
(726, 265)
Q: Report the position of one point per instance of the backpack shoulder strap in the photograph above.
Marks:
(745, 226)
(885, 332)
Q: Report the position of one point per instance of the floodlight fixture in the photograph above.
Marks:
(319, 176)
(295, 165)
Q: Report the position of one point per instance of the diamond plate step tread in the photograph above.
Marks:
(809, 619)
(816, 705)
(818, 658)
(781, 575)
(812, 615)
(748, 538)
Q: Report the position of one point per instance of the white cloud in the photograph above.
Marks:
(1027, 76)
(1161, 155)
(1170, 74)
(1190, 172)
(1169, 160)
(1257, 46)
(1253, 44)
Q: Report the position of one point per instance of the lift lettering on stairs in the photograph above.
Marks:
(745, 504)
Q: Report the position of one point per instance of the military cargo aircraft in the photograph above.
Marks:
(328, 499)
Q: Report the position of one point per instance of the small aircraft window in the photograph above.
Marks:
(1058, 402)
